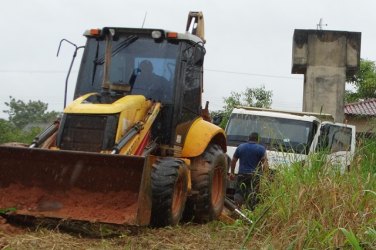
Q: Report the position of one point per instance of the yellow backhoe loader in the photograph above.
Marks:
(133, 147)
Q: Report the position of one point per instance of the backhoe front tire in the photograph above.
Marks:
(169, 181)
(209, 175)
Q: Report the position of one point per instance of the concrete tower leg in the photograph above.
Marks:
(326, 58)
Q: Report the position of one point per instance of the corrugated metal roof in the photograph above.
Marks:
(367, 107)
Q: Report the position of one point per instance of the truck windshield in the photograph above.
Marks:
(277, 134)
(138, 60)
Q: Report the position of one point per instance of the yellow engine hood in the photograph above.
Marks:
(82, 106)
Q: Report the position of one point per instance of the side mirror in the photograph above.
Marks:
(198, 56)
(217, 119)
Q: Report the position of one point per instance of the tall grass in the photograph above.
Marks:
(316, 207)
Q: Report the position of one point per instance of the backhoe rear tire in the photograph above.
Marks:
(209, 175)
(169, 181)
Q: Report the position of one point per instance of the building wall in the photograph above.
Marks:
(364, 124)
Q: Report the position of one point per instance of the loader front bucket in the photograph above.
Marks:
(75, 185)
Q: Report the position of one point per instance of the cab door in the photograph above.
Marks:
(338, 140)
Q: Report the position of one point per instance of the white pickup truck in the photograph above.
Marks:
(292, 136)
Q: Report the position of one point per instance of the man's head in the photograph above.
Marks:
(254, 137)
(146, 66)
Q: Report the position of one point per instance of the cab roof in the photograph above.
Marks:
(271, 113)
(165, 34)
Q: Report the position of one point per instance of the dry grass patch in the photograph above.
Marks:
(215, 235)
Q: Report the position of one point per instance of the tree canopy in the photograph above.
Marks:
(364, 82)
(21, 114)
(254, 97)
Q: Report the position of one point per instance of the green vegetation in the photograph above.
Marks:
(25, 120)
(10, 133)
(6, 210)
(254, 97)
(364, 82)
(315, 206)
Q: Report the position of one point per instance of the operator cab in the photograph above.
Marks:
(160, 65)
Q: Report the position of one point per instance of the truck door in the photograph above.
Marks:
(339, 141)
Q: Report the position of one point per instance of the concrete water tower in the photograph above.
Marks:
(326, 58)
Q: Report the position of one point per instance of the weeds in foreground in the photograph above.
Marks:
(315, 206)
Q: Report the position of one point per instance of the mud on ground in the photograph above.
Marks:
(6, 228)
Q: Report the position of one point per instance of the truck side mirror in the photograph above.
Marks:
(217, 119)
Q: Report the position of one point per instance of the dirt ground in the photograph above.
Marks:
(10, 229)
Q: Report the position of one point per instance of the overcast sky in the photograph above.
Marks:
(249, 42)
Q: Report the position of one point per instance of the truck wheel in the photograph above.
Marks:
(208, 175)
(169, 181)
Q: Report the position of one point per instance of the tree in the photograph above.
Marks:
(258, 97)
(254, 97)
(364, 82)
(10, 133)
(21, 114)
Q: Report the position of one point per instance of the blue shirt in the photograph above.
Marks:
(250, 155)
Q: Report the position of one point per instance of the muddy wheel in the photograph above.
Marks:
(169, 180)
(208, 175)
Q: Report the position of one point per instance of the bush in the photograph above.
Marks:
(10, 133)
